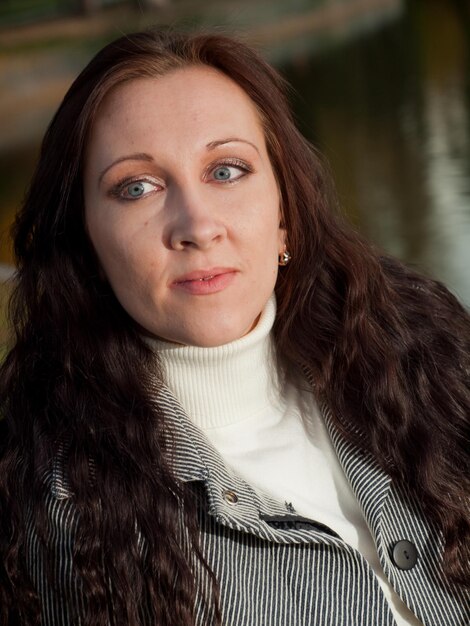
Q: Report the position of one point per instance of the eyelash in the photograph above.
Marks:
(235, 163)
(117, 189)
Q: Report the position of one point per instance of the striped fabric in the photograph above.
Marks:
(271, 573)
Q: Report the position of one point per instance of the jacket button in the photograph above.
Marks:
(404, 554)
(230, 496)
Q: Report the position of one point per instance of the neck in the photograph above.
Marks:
(226, 384)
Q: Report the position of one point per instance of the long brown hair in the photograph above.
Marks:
(387, 349)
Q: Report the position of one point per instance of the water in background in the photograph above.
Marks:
(391, 110)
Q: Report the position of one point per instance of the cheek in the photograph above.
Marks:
(107, 246)
(117, 244)
(263, 247)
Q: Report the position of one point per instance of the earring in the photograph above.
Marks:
(284, 258)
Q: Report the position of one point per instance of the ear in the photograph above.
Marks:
(282, 238)
(282, 233)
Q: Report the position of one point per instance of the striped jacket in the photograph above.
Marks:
(274, 567)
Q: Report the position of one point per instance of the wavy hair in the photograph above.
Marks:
(386, 348)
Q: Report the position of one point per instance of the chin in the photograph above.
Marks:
(219, 337)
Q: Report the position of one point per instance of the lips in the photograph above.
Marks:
(203, 275)
(206, 281)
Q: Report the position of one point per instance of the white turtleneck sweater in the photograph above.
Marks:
(271, 433)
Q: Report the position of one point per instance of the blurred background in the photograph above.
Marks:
(382, 87)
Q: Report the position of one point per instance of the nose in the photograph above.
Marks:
(197, 223)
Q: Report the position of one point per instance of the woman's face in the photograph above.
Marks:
(182, 205)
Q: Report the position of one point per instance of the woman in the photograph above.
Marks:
(224, 406)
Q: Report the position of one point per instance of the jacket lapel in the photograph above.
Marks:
(195, 459)
(370, 484)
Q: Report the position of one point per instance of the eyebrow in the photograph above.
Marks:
(220, 142)
(139, 156)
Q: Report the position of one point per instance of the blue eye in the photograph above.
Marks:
(229, 173)
(135, 190)
(222, 173)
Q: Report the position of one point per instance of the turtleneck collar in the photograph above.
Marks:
(226, 384)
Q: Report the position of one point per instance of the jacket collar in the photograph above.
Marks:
(195, 459)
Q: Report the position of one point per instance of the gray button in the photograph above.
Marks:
(230, 496)
(404, 554)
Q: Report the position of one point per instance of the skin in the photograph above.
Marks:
(182, 207)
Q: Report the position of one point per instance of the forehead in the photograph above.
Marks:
(186, 104)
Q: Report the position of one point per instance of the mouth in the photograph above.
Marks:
(203, 275)
(206, 281)
(206, 277)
